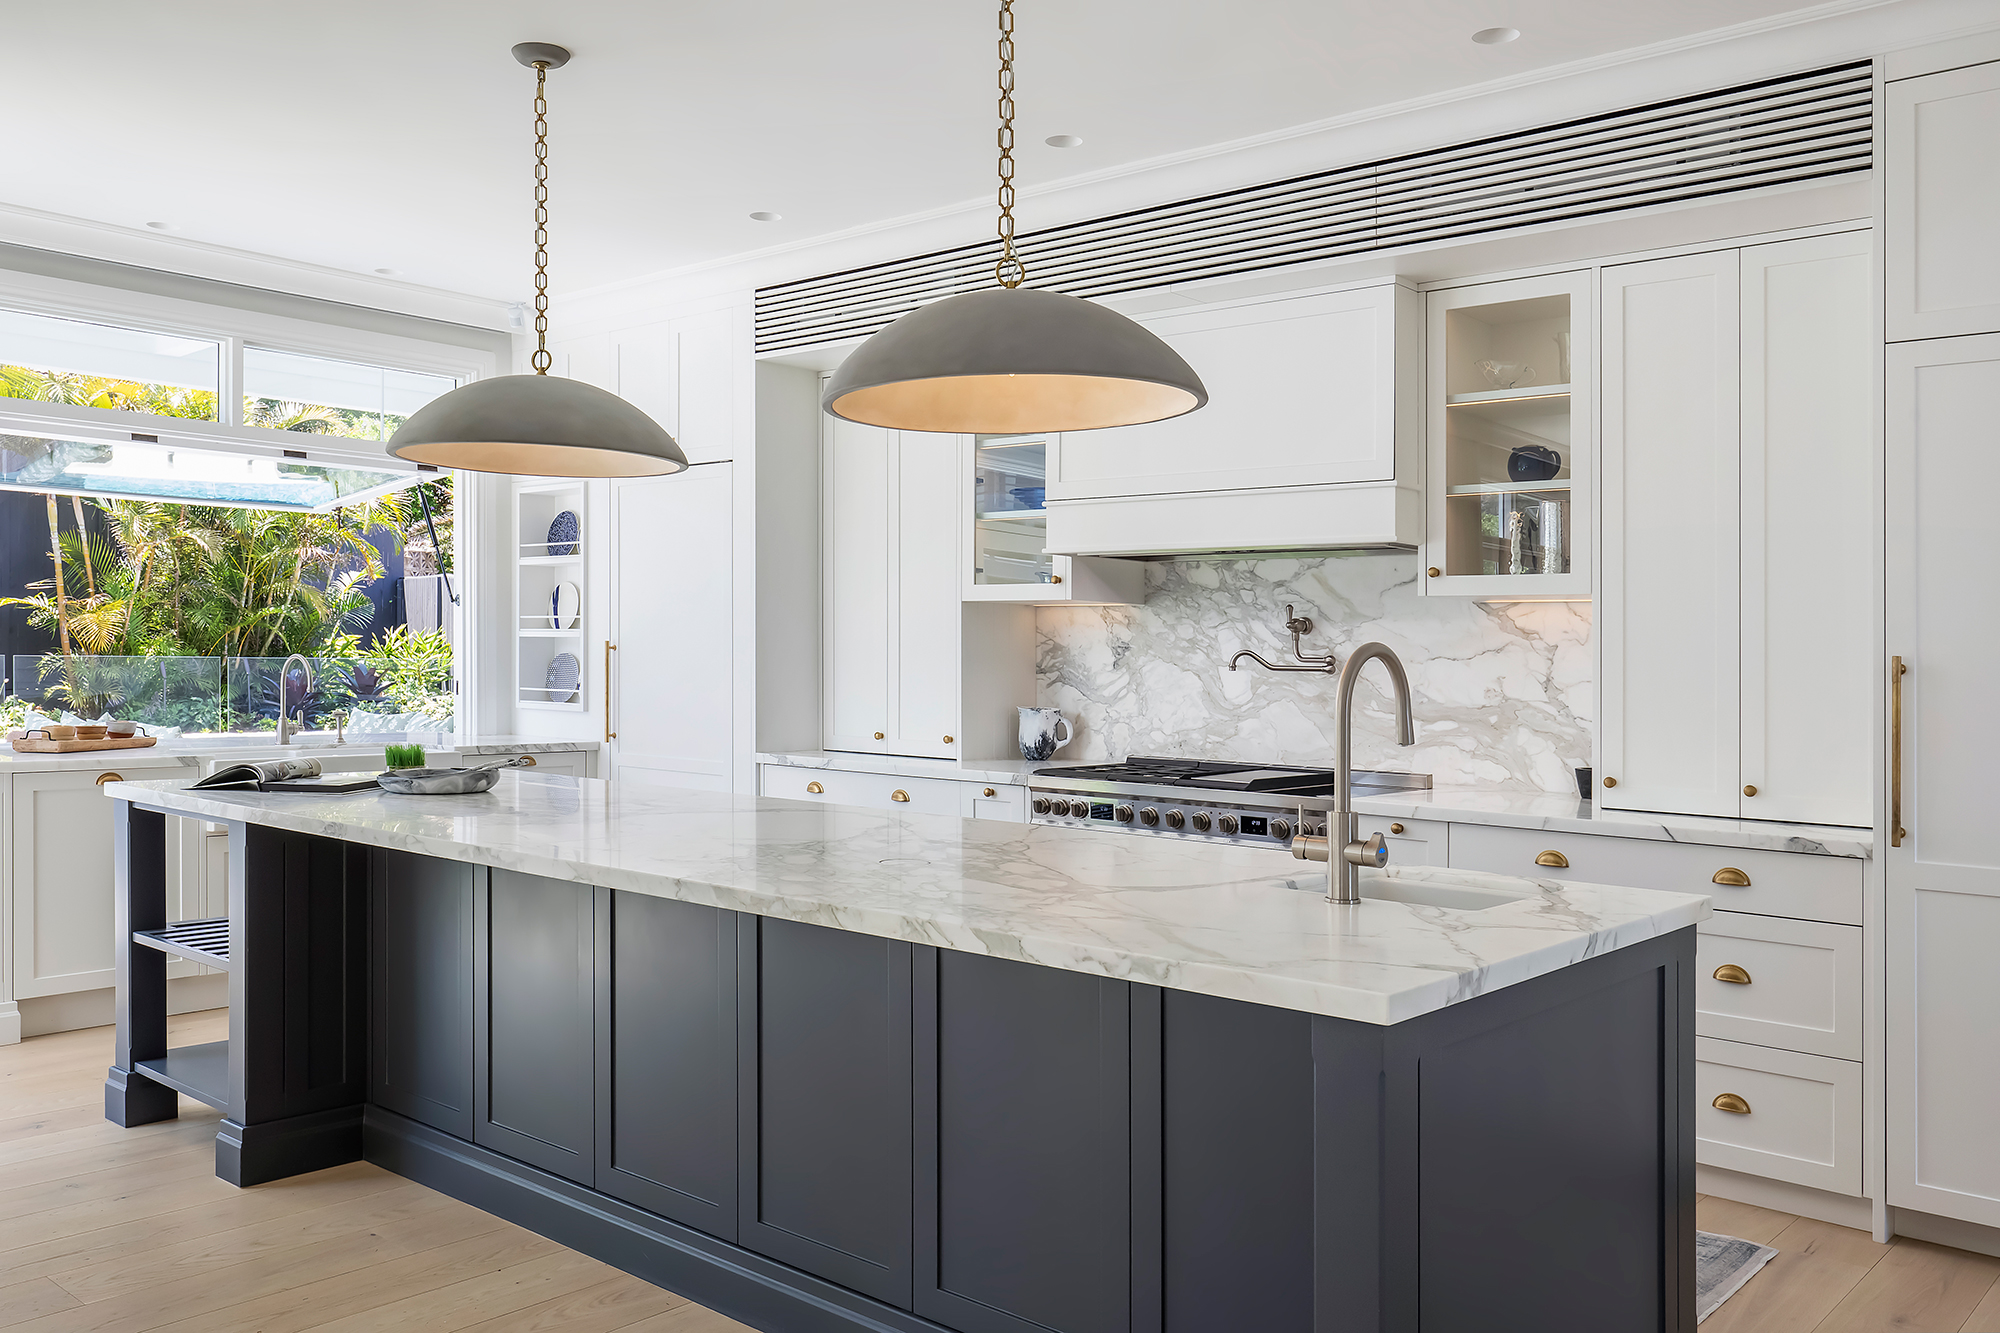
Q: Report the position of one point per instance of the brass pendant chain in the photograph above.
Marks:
(541, 359)
(1010, 271)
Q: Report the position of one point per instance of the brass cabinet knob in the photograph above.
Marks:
(947, 740)
(1055, 578)
(878, 736)
(1730, 1102)
(1553, 858)
(815, 789)
(1611, 782)
(1749, 790)
(899, 795)
(103, 778)
(1434, 571)
(1395, 828)
(1732, 974)
(1731, 876)
(990, 792)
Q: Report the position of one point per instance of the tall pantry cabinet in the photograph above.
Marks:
(908, 668)
(1737, 475)
(1941, 858)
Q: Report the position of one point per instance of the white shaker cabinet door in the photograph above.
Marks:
(1943, 869)
(672, 678)
(62, 913)
(1668, 591)
(857, 563)
(926, 603)
(1942, 194)
(1808, 481)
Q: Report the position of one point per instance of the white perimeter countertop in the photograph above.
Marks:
(1458, 805)
(1240, 923)
(193, 752)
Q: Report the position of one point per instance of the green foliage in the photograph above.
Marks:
(62, 386)
(403, 756)
(14, 713)
(415, 671)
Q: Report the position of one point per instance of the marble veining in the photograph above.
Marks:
(1502, 692)
(1232, 922)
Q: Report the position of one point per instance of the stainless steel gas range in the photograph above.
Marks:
(1248, 804)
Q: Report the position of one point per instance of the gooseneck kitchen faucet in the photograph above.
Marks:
(1343, 868)
(286, 728)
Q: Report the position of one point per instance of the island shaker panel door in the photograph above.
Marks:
(533, 1052)
(420, 981)
(666, 1058)
(824, 1101)
(1024, 1147)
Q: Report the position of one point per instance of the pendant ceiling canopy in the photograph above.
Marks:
(538, 425)
(1012, 360)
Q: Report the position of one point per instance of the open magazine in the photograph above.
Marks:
(283, 775)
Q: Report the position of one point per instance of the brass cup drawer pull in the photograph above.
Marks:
(527, 760)
(1732, 974)
(1732, 877)
(1730, 1102)
(1553, 858)
(900, 796)
(1395, 828)
(815, 789)
(103, 778)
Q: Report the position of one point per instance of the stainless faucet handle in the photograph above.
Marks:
(1297, 624)
(1305, 847)
(1374, 852)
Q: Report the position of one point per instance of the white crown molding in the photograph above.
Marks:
(218, 263)
(1801, 39)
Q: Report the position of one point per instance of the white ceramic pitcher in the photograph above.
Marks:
(1043, 732)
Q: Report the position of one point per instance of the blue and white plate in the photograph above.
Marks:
(563, 533)
(565, 673)
(565, 606)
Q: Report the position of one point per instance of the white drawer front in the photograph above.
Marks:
(980, 800)
(1412, 842)
(1804, 988)
(569, 763)
(1794, 884)
(929, 796)
(1804, 1122)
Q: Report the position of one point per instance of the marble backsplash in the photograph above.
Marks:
(1502, 693)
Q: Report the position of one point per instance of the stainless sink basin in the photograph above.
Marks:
(1457, 897)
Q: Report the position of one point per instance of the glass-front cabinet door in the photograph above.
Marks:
(1007, 560)
(1510, 438)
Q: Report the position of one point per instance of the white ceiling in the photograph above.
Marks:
(395, 133)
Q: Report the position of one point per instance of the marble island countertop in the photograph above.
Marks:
(1233, 922)
(1461, 805)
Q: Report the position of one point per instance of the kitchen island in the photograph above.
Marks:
(827, 1068)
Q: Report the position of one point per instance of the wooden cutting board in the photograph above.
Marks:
(40, 746)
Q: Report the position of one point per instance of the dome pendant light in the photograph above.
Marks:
(1012, 359)
(538, 425)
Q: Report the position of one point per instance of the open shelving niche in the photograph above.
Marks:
(1491, 535)
(539, 568)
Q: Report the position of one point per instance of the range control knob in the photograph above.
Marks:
(1226, 823)
(1079, 809)
(1149, 816)
(1041, 805)
(1175, 819)
(1281, 829)
(1124, 813)
(1313, 829)
(1202, 821)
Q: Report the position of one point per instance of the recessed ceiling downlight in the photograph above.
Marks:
(1495, 36)
(763, 215)
(388, 272)
(163, 226)
(1064, 141)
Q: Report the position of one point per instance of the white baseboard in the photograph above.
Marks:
(1782, 1196)
(44, 1014)
(1946, 1231)
(10, 1023)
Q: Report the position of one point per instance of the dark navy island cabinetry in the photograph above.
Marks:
(810, 1129)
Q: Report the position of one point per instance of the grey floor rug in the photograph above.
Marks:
(1722, 1264)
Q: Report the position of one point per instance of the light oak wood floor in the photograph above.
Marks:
(111, 1230)
(108, 1230)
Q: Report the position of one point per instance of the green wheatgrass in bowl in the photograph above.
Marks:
(403, 756)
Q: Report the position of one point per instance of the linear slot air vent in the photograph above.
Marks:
(1782, 131)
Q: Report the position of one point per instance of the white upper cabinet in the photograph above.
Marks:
(858, 532)
(1737, 496)
(1306, 439)
(1942, 194)
(682, 373)
(1667, 609)
(1808, 473)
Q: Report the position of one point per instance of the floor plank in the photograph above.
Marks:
(1917, 1288)
(601, 1308)
(1816, 1265)
(688, 1318)
(480, 1299)
(22, 1301)
(1986, 1318)
(1745, 1220)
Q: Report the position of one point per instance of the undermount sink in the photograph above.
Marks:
(1457, 897)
